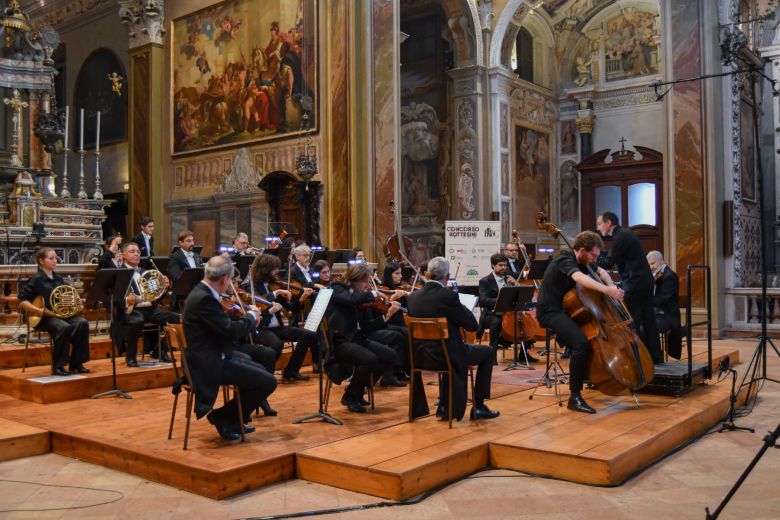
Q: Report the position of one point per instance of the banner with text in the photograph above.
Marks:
(471, 243)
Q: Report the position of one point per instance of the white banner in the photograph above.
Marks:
(471, 243)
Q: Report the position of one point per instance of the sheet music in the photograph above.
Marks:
(468, 300)
(318, 309)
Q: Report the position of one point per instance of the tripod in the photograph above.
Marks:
(730, 426)
(110, 285)
(770, 440)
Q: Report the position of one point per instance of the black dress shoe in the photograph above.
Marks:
(578, 404)
(248, 428)
(441, 412)
(59, 371)
(294, 376)
(81, 369)
(363, 401)
(481, 411)
(224, 431)
(132, 363)
(391, 381)
(266, 408)
(315, 369)
(566, 353)
(352, 404)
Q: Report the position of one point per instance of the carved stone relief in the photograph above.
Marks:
(145, 19)
(533, 107)
(243, 178)
(466, 145)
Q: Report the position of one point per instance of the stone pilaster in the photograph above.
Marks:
(585, 118)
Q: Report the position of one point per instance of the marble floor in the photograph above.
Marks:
(679, 486)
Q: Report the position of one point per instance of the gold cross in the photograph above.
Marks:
(16, 102)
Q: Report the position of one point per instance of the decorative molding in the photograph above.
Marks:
(485, 10)
(467, 153)
(533, 107)
(243, 178)
(647, 98)
(145, 18)
(58, 12)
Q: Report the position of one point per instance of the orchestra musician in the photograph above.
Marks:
(348, 330)
(320, 273)
(564, 272)
(436, 300)
(73, 330)
(300, 268)
(629, 258)
(272, 331)
(181, 258)
(666, 302)
(513, 267)
(112, 253)
(210, 333)
(131, 324)
(144, 238)
(488, 293)
(241, 247)
(356, 256)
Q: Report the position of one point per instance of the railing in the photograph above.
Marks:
(745, 309)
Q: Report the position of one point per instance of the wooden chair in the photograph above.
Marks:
(177, 341)
(27, 342)
(156, 329)
(429, 329)
(329, 384)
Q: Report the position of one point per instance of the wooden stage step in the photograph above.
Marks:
(19, 440)
(379, 452)
(39, 386)
(12, 354)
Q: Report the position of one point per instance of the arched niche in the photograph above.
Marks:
(94, 92)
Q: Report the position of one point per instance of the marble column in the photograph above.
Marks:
(585, 119)
(501, 146)
(145, 21)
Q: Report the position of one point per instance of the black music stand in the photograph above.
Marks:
(110, 286)
(537, 268)
(515, 299)
(317, 255)
(243, 263)
(188, 279)
(149, 262)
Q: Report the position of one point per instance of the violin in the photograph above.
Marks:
(248, 299)
(295, 290)
(230, 306)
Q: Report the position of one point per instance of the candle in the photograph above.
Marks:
(67, 115)
(97, 134)
(81, 131)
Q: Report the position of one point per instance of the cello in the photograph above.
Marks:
(618, 360)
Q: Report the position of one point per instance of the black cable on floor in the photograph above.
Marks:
(120, 497)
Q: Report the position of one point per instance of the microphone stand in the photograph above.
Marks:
(729, 425)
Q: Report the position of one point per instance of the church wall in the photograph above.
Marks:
(645, 125)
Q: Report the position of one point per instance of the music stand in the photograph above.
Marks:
(188, 279)
(243, 263)
(537, 268)
(335, 256)
(318, 255)
(149, 262)
(515, 299)
(110, 286)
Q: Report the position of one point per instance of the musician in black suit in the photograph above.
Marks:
(241, 247)
(300, 273)
(666, 302)
(136, 312)
(627, 255)
(73, 330)
(488, 293)
(144, 238)
(181, 258)
(210, 333)
(564, 272)
(349, 329)
(435, 300)
(514, 266)
(112, 253)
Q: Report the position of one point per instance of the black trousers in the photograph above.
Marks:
(569, 335)
(640, 305)
(132, 325)
(368, 357)
(492, 322)
(262, 355)
(305, 339)
(482, 357)
(74, 331)
(254, 382)
(394, 337)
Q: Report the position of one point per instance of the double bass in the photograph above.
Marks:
(526, 320)
(618, 360)
(397, 247)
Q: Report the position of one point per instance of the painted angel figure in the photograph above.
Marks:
(116, 82)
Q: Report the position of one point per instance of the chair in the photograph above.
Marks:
(329, 385)
(27, 342)
(177, 341)
(429, 329)
(156, 329)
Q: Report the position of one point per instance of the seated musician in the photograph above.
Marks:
(488, 294)
(241, 247)
(73, 330)
(210, 333)
(140, 312)
(514, 266)
(181, 258)
(435, 300)
(300, 268)
(391, 280)
(666, 301)
(272, 331)
(564, 272)
(112, 253)
(320, 273)
(356, 256)
(349, 328)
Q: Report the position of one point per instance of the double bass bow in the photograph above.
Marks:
(618, 360)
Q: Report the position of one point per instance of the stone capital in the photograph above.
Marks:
(145, 20)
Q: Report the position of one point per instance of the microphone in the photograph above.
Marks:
(724, 365)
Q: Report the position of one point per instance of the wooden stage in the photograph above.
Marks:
(378, 453)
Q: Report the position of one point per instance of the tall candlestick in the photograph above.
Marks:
(98, 192)
(67, 119)
(97, 134)
(82, 192)
(65, 191)
(81, 131)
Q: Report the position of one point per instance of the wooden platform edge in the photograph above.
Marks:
(210, 484)
(25, 445)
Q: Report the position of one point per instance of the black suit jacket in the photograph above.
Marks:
(139, 239)
(210, 334)
(179, 263)
(514, 273)
(106, 261)
(297, 276)
(666, 299)
(436, 301)
(344, 316)
(626, 253)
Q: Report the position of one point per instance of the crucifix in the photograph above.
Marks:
(622, 141)
(17, 104)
